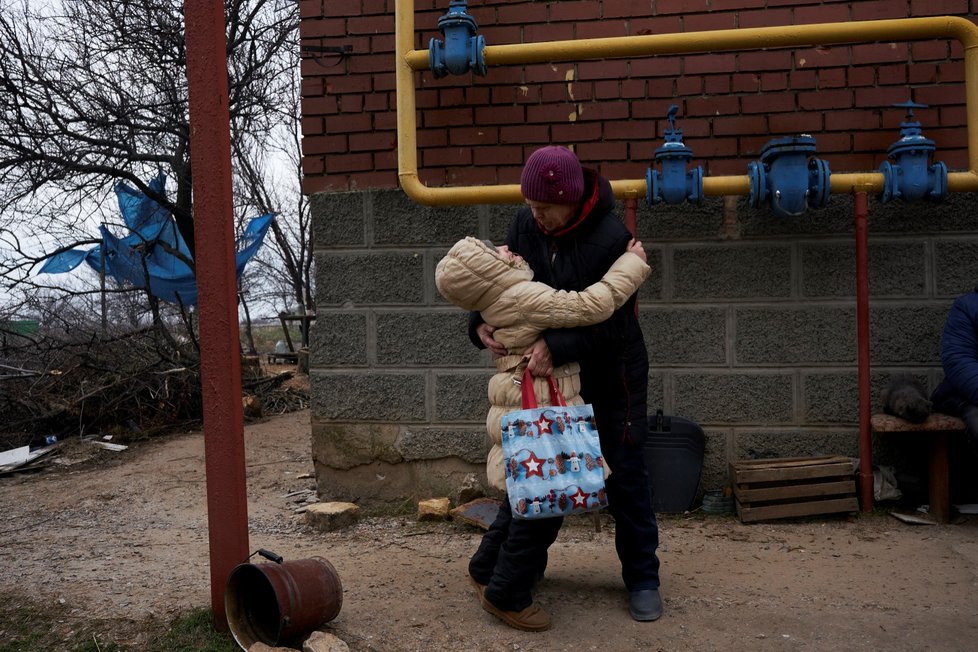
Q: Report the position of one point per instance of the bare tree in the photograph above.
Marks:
(287, 268)
(94, 92)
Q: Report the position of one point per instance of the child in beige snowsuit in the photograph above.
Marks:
(476, 276)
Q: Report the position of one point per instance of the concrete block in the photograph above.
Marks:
(380, 484)
(792, 335)
(462, 397)
(715, 458)
(499, 218)
(436, 298)
(382, 277)
(836, 218)
(651, 290)
(338, 219)
(399, 221)
(895, 269)
(956, 266)
(731, 271)
(685, 335)
(368, 396)
(425, 338)
(469, 444)
(348, 445)
(338, 339)
(957, 214)
(679, 221)
(734, 398)
(906, 334)
(831, 398)
(656, 393)
(796, 443)
(328, 517)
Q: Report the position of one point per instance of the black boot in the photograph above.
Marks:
(645, 605)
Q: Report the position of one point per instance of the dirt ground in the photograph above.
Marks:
(123, 536)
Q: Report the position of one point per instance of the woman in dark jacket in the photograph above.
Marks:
(570, 236)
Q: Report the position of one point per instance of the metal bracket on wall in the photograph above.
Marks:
(317, 52)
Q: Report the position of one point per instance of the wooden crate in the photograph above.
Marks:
(793, 486)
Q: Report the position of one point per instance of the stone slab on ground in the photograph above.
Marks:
(328, 517)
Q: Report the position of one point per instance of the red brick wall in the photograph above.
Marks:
(478, 130)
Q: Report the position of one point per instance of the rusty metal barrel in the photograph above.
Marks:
(280, 602)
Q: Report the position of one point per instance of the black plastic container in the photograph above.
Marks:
(673, 454)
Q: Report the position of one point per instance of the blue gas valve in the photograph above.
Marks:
(788, 177)
(462, 49)
(674, 184)
(907, 174)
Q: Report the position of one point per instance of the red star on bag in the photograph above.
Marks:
(543, 423)
(533, 465)
(579, 498)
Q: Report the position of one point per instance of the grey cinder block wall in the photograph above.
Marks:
(750, 322)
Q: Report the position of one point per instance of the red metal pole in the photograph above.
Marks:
(631, 223)
(630, 220)
(220, 352)
(861, 213)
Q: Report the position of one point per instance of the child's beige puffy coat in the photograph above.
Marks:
(474, 277)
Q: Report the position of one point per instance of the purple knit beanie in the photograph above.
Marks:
(553, 175)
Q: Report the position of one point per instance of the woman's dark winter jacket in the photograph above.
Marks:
(959, 357)
(612, 355)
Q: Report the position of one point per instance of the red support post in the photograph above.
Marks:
(220, 350)
(631, 221)
(861, 214)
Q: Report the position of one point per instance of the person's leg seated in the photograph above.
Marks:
(969, 414)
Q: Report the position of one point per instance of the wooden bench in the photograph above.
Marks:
(937, 429)
(287, 358)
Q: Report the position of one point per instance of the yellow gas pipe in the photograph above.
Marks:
(409, 60)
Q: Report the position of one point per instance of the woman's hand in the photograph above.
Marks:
(485, 331)
(540, 362)
(635, 247)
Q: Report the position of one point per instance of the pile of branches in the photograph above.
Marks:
(131, 385)
(276, 394)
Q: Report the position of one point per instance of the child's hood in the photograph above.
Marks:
(472, 276)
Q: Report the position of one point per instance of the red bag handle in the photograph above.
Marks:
(530, 397)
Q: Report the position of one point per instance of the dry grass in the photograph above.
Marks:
(29, 625)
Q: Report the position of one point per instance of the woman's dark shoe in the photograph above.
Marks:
(645, 605)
